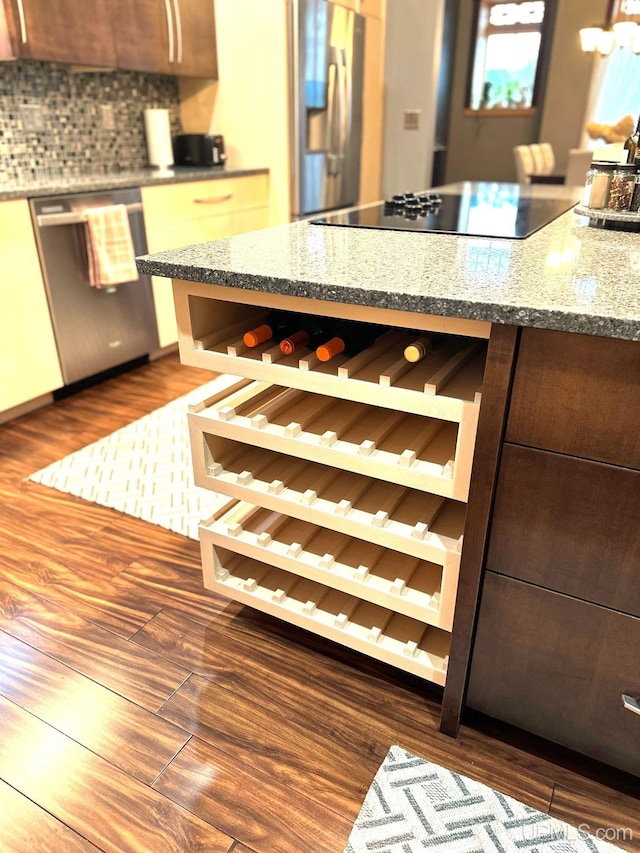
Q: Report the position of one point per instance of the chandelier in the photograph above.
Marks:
(625, 32)
(604, 39)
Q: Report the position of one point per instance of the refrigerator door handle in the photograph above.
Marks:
(338, 105)
(332, 138)
(344, 72)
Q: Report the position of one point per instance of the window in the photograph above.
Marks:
(617, 88)
(506, 52)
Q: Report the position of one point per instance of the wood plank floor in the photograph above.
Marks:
(140, 713)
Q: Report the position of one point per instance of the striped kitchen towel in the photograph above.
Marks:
(109, 246)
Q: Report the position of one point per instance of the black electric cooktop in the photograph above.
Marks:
(489, 210)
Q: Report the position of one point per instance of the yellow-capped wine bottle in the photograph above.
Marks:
(421, 347)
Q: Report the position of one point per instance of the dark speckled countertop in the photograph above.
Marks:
(51, 184)
(567, 276)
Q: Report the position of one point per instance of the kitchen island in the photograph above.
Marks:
(471, 503)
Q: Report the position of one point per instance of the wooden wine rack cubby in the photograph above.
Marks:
(347, 481)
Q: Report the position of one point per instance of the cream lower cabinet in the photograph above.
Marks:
(182, 214)
(29, 365)
(346, 481)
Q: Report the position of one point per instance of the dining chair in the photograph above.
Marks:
(524, 163)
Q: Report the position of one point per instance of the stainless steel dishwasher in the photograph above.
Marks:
(95, 328)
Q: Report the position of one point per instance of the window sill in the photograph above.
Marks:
(500, 112)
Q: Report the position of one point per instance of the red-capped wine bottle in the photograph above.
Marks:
(277, 325)
(349, 337)
(312, 331)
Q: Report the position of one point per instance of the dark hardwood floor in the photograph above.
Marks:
(140, 713)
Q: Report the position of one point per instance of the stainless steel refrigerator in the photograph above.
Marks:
(326, 63)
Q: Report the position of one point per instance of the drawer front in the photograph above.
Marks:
(200, 199)
(369, 571)
(558, 667)
(577, 394)
(569, 525)
(401, 448)
(394, 638)
(186, 232)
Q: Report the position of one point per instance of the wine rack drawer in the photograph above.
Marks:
(394, 638)
(411, 450)
(417, 588)
(424, 525)
(446, 384)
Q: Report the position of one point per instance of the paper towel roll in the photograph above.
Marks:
(157, 129)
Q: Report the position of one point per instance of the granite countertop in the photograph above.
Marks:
(51, 184)
(567, 276)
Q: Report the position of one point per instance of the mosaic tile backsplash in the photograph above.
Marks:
(75, 139)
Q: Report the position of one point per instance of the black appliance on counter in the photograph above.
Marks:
(198, 149)
(483, 210)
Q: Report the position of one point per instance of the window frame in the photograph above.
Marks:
(546, 30)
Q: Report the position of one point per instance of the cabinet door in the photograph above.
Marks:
(569, 525)
(195, 44)
(577, 394)
(29, 365)
(142, 33)
(558, 667)
(179, 215)
(63, 31)
(373, 8)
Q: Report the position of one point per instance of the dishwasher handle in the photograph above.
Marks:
(75, 217)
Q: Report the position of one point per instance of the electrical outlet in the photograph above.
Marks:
(412, 119)
(32, 118)
(107, 117)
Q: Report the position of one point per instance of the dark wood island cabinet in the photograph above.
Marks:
(558, 638)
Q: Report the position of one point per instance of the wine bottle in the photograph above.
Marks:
(349, 337)
(422, 346)
(311, 332)
(278, 324)
(631, 144)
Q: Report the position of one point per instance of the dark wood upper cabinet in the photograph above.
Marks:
(156, 36)
(61, 31)
(195, 47)
(142, 32)
(166, 37)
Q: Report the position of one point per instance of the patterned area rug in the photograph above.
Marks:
(413, 805)
(143, 469)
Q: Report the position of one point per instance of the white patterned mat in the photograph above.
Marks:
(143, 469)
(413, 805)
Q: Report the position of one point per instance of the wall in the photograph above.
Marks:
(249, 103)
(481, 147)
(73, 141)
(566, 98)
(412, 61)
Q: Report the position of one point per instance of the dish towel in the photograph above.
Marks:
(109, 246)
